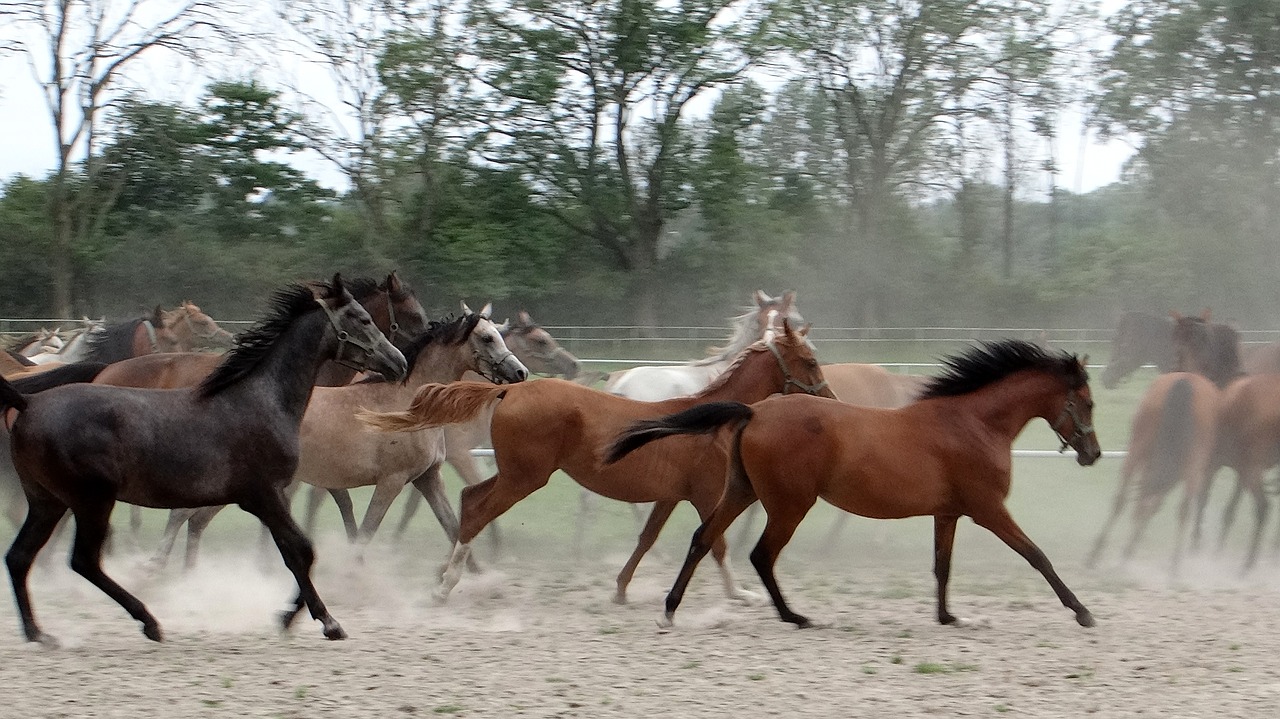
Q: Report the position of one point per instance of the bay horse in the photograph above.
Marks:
(1249, 443)
(948, 454)
(333, 457)
(1171, 443)
(1140, 338)
(232, 439)
(539, 427)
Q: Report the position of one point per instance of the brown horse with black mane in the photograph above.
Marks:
(539, 427)
(948, 455)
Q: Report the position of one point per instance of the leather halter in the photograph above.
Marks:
(345, 342)
(393, 327)
(788, 379)
(1082, 430)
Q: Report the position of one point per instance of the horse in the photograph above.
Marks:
(655, 383)
(195, 330)
(392, 305)
(948, 455)
(1249, 443)
(232, 439)
(1171, 442)
(1140, 338)
(541, 354)
(74, 346)
(44, 340)
(539, 427)
(331, 457)
(1206, 347)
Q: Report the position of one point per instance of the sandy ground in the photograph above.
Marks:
(537, 635)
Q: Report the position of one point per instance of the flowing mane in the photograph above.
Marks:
(990, 362)
(111, 343)
(252, 345)
(744, 333)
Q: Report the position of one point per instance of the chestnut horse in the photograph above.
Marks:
(233, 439)
(1249, 443)
(539, 427)
(1171, 443)
(948, 455)
(333, 457)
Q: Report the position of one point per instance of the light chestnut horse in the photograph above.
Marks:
(333, 457)
(539, 427)
(1171, 443)
(947, 455)
(193, 329)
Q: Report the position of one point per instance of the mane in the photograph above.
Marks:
(723, 378)
(448, 331)
(359, 287)
(990, 362)
(21, 342)
(742, 337)
(111, 343)
(252, 345)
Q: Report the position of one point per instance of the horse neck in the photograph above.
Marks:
(285, 377)
(1008, 405)
(757, 376)
(439, 362)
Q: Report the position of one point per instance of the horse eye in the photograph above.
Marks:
(487, 338)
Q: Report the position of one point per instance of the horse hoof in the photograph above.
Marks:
(666, 621)
(153, 632)
(1086, 619)
(45, 640)
(440, 597)
(333, 632)
(801, 622)
(620, 598)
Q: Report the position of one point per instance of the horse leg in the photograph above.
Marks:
(298, 555)
(342, 498)
(944, 538)
(1117, 508)
(1261, 505)
(430, 486)
(586, 516)
(1143, 511)
(748, 522)
(315, 495)
(384, 493)
(1229, 512)
(176, 518)
(778, 530)
(999, 523)
(738, 495)
(93, 520)
(43, 514)
(199, 521)
(658, 517)
(465, 466)
(481, 504)
(135, 520)
(833, 533)
(411, 503)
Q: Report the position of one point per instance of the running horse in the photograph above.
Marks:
(539, 427)
(233, 439)
(1140, 338)
(948, 455)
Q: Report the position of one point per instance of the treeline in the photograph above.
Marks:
(634, 161)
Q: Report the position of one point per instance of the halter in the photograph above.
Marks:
(788, 380)
(151, 335)
(393, 327)
(491, 365)
(345, 340)
(1081, 429)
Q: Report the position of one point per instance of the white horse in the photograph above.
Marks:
(76, 346)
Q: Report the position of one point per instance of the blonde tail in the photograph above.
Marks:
(436, 405)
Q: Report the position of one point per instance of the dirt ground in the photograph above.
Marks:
(537, 635)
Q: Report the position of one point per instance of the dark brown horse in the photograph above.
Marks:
(233, 439)
(947, 455)
(1140, 338)
(539, 427)
(1206, 347)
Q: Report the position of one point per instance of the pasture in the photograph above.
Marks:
(537, 635)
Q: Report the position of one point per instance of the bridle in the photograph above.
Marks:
(393, 327)
(787, 377)
(346, 342)
(489, 364)
(1082, 429)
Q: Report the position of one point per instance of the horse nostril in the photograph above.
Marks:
(522, 374)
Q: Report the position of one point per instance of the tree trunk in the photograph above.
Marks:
(62, 268)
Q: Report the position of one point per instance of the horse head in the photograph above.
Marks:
(1074, 422)
(796, 360)
(405, 315)
(360, 344)
(536, 348)
(490, 356)
(195, 329)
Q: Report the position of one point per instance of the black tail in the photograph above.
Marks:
(1173, 439)
(75, 372)
(701, 419)
(20, 358)
(10, 397)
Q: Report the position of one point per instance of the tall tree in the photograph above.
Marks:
(80, 51)
(588, 100)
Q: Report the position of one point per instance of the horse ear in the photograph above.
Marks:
(1084, 361)
(1206, 313)
(524, 319)
(788, 299)
(157, 316)
(465, 309)
(393, 282)
(486, 311)
(762, 299)
(503, 328)
(804, 331)
(339, 290)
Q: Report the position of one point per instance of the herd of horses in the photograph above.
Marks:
(346, 383)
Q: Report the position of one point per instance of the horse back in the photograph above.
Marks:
(167, 370)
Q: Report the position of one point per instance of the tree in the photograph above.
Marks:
(80, 51)
(587, 102)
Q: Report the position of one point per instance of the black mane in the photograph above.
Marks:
(449, 331)
(990, 362)
(112, 343)
(252, 345)
(360, 287)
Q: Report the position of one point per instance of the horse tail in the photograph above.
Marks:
(700, 419)
(10, 397)
(435, 405)
(1174, 436)
(74, 372)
